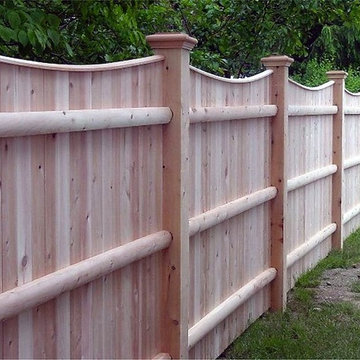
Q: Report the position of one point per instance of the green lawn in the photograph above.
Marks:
(307, 330)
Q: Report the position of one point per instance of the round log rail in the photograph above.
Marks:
(300, 110)
(162, 356)
(351, 162)
(352, 110)
(351, 214)
(225, 113)
(306, 247)
(310, 177)
(222, 311)
(48, 122)
(224, 212)
(43, 289)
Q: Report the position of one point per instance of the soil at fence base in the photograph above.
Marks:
(336, 286)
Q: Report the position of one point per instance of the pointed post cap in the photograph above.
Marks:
(336, 74)
(277, 60)
(171, 41)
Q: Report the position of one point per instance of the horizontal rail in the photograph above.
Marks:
(352, 110)
(300, 110)
(224, 113)
(351, 162)
(309, 245)
(222, 311)
(41, 290)
(224, 212)
(48, 122)
(351, 214)
(81, 68)
(310, 177)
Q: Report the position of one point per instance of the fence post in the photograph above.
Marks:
(176, 49)
(279, 128)
(338, 147)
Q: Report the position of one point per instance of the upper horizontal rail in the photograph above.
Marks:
(310, 177)
(48, 122)
(50, 286)
(256, 77)
(224, 113)
(301, 110)
(222, 311)
(351, 93)
(315, 88)
(224, 212)
(81, 68)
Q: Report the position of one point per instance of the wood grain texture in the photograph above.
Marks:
(310, 150)
(224, 166)
(66, 197)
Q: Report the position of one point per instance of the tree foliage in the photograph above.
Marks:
(233, 34)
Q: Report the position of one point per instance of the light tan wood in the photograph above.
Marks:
(222, 311)
(41, 290)
(48, 122)
(82, 68)
(351, 214)
(303, 110)
(279, 88)
(338, 147)
(309, 245)
(175, 48)
(224, 212)
(310, 177)
(226, 113)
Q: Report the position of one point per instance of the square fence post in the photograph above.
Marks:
(338, 149)
(279, 147)
(176, 49)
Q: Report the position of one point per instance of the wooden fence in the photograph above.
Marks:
(150, 209)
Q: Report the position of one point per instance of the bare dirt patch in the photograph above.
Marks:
(339, 285)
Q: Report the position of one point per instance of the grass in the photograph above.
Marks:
(307, 330)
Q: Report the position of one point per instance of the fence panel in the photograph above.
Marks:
(310, 152)
(351, 163)
(68, 196)
(229, 159)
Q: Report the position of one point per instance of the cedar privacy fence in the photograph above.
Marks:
(187, 212)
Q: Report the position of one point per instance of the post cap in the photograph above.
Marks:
(171, 41)
(277, 60)
(336, 74)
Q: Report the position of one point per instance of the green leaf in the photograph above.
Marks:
(54, 36)
(7, 34)
(69, 49)
(32, 37)
(23, 39)
(14, 19)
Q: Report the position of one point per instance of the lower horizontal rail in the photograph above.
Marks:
(304, 110)
(351, 162)
(310, 177)
(224, 212)
(221, 312)
(48, 287)
(309, 245)
(351, 214)
(224, 113)
(48, 122)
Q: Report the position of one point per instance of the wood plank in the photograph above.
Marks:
(279, 89)
(338, 148)
(175, 48)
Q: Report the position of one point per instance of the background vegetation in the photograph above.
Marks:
(233, 34)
